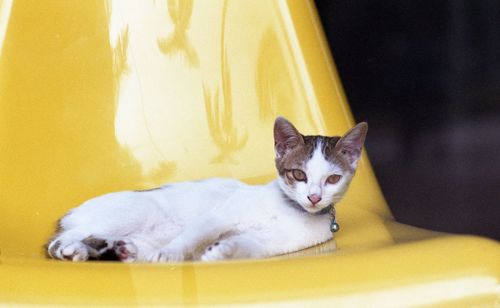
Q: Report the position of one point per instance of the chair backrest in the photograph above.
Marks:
(105, 96)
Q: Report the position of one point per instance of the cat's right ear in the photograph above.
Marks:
(286, 136)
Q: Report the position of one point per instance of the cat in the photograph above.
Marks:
(217, 219)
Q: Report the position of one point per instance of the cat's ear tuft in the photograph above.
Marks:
(286, 136)
(350, 145)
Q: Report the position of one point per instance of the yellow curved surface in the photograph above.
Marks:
(102, 96)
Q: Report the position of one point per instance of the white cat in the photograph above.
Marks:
(217, 219)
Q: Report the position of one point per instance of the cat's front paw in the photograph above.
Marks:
(219, 251)
(166, 255)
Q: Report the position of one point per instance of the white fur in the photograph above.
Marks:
(205, 220)
(171, 223)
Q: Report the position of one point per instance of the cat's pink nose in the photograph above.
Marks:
(314, 198)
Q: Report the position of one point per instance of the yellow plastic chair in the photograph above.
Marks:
(100, 96)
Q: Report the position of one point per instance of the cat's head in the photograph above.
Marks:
(315, 171)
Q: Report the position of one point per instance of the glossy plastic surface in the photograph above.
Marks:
(102, 96)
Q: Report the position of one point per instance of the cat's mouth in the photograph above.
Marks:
(313, 208)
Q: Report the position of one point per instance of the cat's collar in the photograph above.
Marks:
(330, 210)
(334, 226)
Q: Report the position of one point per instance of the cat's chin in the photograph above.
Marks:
(313, 209)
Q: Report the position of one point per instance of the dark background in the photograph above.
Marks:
(426, 77)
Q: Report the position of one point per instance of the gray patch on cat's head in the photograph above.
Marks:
(292, 148)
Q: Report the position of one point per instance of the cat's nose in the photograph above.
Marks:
(314, 198)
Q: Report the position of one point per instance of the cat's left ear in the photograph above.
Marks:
(350, 145)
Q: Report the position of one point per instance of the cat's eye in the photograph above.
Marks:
(299, 175)
(333, 179)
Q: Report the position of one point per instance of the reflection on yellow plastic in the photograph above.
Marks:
(104, 96)
(180, 12)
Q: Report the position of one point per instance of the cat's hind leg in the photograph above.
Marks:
(75, 245)
(109, 248)
(68, 245)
